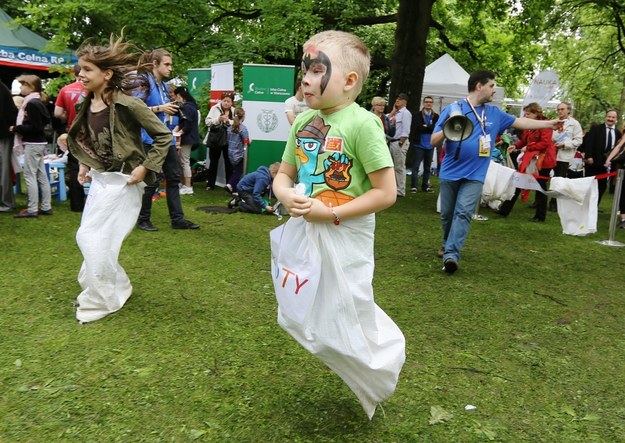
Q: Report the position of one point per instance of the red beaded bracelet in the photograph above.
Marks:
(337, 220)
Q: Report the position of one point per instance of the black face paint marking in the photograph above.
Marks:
(321, 59)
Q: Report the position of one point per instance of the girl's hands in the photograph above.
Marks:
(137, 175)
(82, 174)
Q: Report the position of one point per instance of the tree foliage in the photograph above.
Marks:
(586, 42)
(583, 40)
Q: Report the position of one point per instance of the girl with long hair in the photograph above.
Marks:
(105, 138)
(238, 141)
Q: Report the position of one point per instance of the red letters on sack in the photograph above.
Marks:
(298, 286)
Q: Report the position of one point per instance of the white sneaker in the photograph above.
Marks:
(186, 190)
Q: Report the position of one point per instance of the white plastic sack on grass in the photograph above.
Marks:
(340, 324)
(577, 204)
(110, 213)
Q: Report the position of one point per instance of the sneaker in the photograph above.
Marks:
(413, 190)
(428, 189)
(185, 224)
(210, 188)
(48, 212)
(233, 203)
(25, 214)
(440, 252)
(622, 225)
(146, 226)
(186, 190)
(450, 266)
(228, 188)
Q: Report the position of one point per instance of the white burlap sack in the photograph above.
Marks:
(110, 213)
(577, 204)
(340, 324)
(498, 184)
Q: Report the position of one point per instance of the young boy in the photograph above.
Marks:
(337, 155)
(253, 186)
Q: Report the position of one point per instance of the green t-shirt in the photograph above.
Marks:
(334, 153)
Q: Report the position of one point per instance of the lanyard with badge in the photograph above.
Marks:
(163, 92)
(484, 149)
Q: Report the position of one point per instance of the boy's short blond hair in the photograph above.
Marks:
(353, 54)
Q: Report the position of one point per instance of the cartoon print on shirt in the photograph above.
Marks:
(311, 143)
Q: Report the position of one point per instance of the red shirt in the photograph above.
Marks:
(67, 99)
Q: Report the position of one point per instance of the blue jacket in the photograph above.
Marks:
(256, 183)
(157, 95)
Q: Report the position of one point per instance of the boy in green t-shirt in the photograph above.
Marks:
(336, 147)
(337, 155)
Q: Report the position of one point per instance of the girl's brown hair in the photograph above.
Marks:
(120, 58)
(239, 115)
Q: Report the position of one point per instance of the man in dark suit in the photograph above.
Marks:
(423, 125)
(598, 143)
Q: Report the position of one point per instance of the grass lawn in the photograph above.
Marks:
(529, 331)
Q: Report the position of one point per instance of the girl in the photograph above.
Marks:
(238, 140)
(105, 138)
(29, 134)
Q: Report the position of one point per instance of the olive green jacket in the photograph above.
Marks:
(127, 116)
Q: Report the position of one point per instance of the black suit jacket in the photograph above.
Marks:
(8, 111)
(419, 123)
(594, 143)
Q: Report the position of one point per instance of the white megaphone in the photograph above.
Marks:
(458, 126)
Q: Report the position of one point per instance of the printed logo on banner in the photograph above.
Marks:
(267, 120)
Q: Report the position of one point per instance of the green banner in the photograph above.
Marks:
(196, 78)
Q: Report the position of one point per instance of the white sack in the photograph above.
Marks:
(577, 204)
(343, 326)
(110, 213)
(498, 184)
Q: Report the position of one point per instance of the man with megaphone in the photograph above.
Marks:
(469, 128)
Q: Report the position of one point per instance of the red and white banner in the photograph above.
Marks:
(222, 80)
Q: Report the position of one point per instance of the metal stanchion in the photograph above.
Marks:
(477, 216)
(613, 216)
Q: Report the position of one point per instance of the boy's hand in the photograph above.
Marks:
(319, 212)
(296, 204)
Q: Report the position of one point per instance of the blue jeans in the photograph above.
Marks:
(458, 201)
(425, 156)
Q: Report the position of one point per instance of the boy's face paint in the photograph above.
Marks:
(319, 64)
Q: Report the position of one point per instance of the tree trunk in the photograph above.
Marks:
(621, 105)
(408, 63)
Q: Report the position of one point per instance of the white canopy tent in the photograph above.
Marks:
(446, 81)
